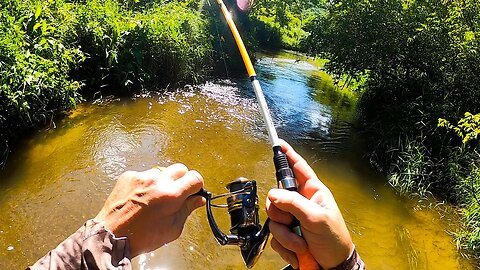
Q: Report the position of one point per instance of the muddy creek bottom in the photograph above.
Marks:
(60, 177)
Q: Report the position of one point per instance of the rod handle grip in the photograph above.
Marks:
(283, 172)
(286, 180)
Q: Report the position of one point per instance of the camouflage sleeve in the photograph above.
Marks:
(91, 247)
(354, 262)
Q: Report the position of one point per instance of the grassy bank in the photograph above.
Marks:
(54, 53)
(419, 60)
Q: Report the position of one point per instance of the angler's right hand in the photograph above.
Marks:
(325, 234)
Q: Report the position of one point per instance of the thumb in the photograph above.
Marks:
(294, 203)
(190, 183)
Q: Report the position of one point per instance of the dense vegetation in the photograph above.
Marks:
(420, 61)
(53, 53)
(280, 24)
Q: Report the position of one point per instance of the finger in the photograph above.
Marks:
(294, 203)
(287, 148)
(287, 255)
(287, 238)
(278, 215)
(175, 171)
(300, 167)
(188, 207)
(189, 184)
(193, 203)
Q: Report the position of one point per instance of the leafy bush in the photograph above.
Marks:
(422, 60)
(54, 52)
(280, 24)
(181, 42)
(464, 166)
(468, 127)
(34, 66)
(163, 45)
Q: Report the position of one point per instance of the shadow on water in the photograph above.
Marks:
(60, 177)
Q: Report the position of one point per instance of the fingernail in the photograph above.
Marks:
(197, 175)
(160, 168)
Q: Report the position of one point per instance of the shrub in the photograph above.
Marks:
(422, 62)
(464, 166)
(163, 45)
(34, 67)
(52, 52)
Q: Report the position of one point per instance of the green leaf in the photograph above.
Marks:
(38, 11)
(36, 26)
(44, 27)
(73, 102)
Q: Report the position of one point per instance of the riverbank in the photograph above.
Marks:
(55, 54)
(414, 65)
(419, 106)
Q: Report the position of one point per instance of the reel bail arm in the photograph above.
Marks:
(246, 230)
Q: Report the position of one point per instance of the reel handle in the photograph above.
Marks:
(222, 238)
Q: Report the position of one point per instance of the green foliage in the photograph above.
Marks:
(422, 59)
(468, 189)
(336, 94)
(468, 127)
(54, 51)
(280, 24)
(410, 173)
(34, 66)
(180, 44)
(163, 45)
(226, 56)
(464, 167)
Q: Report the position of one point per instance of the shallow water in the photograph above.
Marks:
(60, 177)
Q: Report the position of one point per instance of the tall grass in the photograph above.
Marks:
(410, 173)
(464, 167)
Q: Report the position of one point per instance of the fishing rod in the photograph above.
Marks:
(242, 199)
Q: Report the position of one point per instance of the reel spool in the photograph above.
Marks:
(246, 230)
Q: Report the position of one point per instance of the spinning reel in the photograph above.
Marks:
(246, 230)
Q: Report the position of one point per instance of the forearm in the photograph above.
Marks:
(90, 247)
(353, 262)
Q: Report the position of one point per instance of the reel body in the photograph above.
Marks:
(246, 230)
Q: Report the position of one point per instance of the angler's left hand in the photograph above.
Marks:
(151, 207)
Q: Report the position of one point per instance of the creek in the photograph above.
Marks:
(59, 177)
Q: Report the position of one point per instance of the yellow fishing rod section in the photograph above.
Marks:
(238, 39)
(285, 176)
